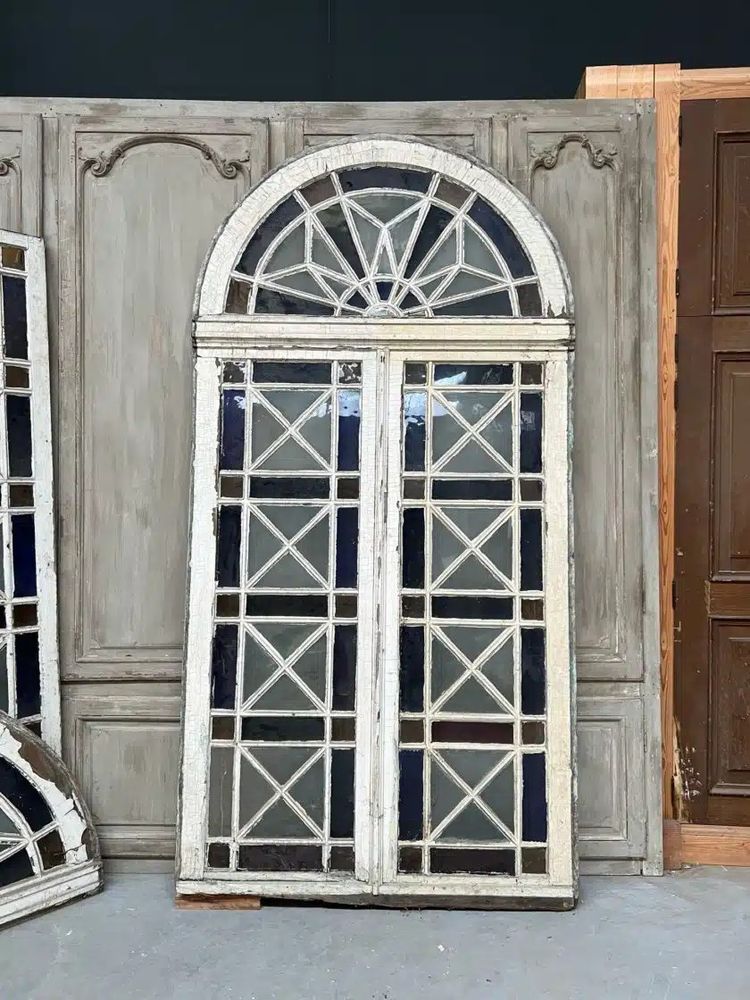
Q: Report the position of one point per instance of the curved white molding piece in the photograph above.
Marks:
(49, 851)
(516, 209)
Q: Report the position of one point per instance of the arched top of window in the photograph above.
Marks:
(383, 227)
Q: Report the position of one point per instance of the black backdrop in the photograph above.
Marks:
(350, 49)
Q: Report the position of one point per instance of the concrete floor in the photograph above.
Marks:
(681, 936)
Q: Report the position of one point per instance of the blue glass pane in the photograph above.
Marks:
(532, 671)
(534, 797)
(503, 237)
(24, 555)
(412, 548)
(233, 429)
(415, 409)
(342, 793)
(411, 668)
(531, 432)
(344, 667)
(19, 435)
(335, 224)
(14, 317)
(410, 794)
(347, 546)
(285, 304)
(28, 686)
(21, 794)
(531, 549)
(435, 222)
(348, 447)
(400, 178)
(224, 667)
(278, 220)
(228, 547)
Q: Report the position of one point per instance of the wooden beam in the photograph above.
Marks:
(617, 81)
(710, 84)
(598, 81)
(635, 81)
(667, 94)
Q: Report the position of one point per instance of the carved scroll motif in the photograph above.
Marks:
(101, 164)
(599, 156)
(7, 163)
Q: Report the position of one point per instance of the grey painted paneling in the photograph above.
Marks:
(141, 200)
(583, 177)
(611, 781)
(125, 248)
(21, 173)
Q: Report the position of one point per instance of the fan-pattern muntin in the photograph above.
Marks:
(315, 270)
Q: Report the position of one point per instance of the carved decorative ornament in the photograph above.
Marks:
(101, 164)
(7, 163)
(599, 156)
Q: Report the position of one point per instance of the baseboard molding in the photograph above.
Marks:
(138, 866)
(613, 866)
(694, 844)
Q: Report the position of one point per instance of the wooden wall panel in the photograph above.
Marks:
(732, 264)
(21, 173)
(611, 780)
(123, 742)
(731, 499)
(581, 177)
(142, 201)
(463, 135)
(729, 745)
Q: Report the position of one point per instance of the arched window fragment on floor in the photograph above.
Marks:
(29, 682)
(49, 853)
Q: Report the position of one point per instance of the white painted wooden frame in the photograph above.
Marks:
(561, 879)
(196, 736)
(41, 443)
(387, 342)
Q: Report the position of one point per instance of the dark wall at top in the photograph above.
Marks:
(350, 49)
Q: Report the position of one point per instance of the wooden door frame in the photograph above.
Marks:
(669, 84)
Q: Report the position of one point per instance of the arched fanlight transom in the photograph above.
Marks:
(385, 228)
